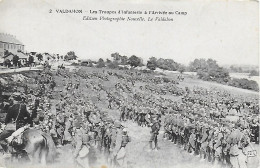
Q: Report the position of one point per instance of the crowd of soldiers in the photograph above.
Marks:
(68, 106)
(202, 127)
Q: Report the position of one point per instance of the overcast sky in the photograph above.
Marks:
(226, 31)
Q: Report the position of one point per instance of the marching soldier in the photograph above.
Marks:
(81, 145)
(155, 127)
(121, 155)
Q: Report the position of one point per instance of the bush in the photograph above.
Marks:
(100, 63)
(74, 64)
(166, 80)
(151, 65)
(244, 83)
(218, 74)
(254, 73)
(113, 65)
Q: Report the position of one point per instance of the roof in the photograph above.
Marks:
(10, 56)
(21, 55)
(7, 38)
(7, 55)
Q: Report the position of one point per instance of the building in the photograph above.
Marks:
(10, 43)
(23, 57)
(86, 62)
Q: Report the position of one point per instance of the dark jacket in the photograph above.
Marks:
(23, 117)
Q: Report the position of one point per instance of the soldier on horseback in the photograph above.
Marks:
(17, 117)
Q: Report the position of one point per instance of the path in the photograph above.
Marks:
(169, 155)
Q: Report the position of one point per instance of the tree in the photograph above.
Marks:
(209, 70)
(39, 57)
(167, 64)
(66, 57)
(116, 56)
(100, 63)
(244, 83)
(71, 55)
(254, 73)
(108, 61)
(181, 69)
(198, 64)
(134, 61)
(119, 59)
(151, 63)
(124, 60)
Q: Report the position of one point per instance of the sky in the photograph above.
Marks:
(227, 31)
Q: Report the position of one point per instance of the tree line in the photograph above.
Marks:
(206, 69)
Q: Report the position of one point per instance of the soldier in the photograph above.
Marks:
(92, 145)
(67, 132)
(254, 127)
(121, 155)
(81, 145)
(236, 156)
(17, 117)
(155, 127)
(116, 139)
(60, 125)
(204, 142)
(192, 139)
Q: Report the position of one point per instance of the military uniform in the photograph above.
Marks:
(19, 113)
(155, 127)
(16, 113)
(237, 158)
(60, 123)
(121, 155)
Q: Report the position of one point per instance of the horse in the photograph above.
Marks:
(38, 146)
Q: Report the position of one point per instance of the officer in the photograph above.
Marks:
(17, 117)
(18, 112)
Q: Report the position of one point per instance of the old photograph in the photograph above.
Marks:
(129, 84)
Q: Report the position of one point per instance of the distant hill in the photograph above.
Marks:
(241, 68)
